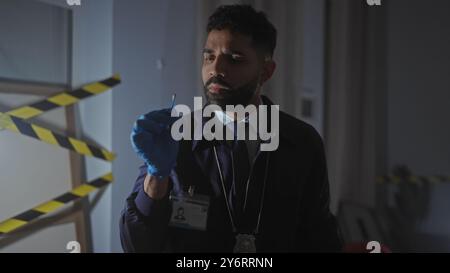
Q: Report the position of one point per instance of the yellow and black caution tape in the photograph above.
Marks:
(14, 119)
(416, 179)
(65, 98)
(26, 217)
(24, 128)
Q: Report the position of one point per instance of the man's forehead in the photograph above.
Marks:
(227, 40)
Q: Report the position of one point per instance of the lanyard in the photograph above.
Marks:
(246, 192)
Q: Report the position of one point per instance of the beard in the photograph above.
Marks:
(238, 96)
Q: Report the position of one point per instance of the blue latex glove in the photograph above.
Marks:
(152, 141)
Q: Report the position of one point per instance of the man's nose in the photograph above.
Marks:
(218, 67)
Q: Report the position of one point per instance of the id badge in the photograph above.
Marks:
(190, 211)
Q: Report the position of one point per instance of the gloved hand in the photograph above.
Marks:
(152, 141)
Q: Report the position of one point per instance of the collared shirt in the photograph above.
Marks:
(206, 155)
(252, 145)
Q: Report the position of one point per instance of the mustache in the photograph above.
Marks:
(217, 80)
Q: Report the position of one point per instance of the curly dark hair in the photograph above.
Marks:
(245, 20)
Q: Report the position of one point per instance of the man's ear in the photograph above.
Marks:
(267, 71)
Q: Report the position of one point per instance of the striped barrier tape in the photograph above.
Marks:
(26, 217)
(40, 133)
(64, 98)
(14, 119)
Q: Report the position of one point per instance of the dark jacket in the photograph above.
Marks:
(295, 215)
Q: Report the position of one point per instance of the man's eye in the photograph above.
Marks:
(237, 58)
(208, 58)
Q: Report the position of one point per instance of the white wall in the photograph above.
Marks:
(33, 47)
(145, 32)
(419, 97)
(92, 61)
(313, 60)
(419, 85)
(45, 43)
(27, 180)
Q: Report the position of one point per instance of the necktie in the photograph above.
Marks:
(241, 164)
(236, 167)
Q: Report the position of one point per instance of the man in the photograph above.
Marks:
(236, 197)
